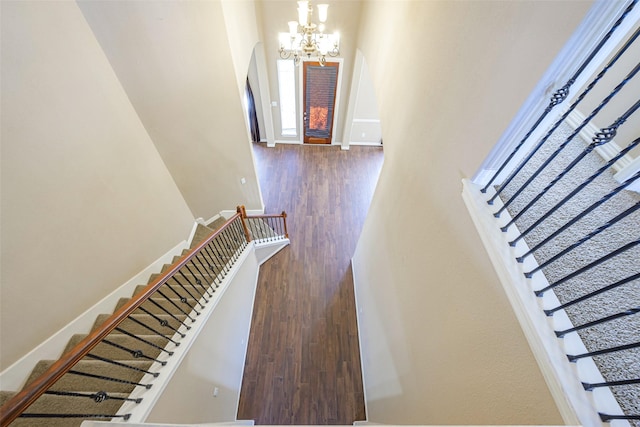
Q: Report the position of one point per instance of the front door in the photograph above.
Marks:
(319, 101)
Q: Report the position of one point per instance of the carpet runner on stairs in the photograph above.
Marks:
(130, 356)
(613, 366)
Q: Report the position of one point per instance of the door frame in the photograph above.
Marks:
(336, 109)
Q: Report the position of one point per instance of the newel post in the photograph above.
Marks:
(284, 220)
(243, 216)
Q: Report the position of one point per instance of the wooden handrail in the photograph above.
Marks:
(21, 401)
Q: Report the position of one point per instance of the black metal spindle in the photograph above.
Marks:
(577, 130)
(238, 231)
(132, 335)
(92, 416)
(591, 386)
(215, 262)
(597, 231)
(195, 279)
(163, 322)
(202, 274)
(227, 244)
(579, 188)
(209, 268)
(589, 266)
(219, 246)
(102, 377)
(607, 288)
(606, 417)
(175, 279)
(602, 137)
(574, 357)
(144, 325)
(122, 365)
(136, 354)
(182, 300)
(560, 95)
(581, 215)
(625, 313)
(97, 397)
(173, 316)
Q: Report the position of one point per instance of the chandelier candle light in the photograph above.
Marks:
(311, 39)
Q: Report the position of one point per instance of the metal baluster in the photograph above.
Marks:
(586, 121)
(122, 331)
(227, 244)
(122, 365)
(163, 322)
(238, 231)
(34, 415)
(549, 312)
(573, 358)
(597, 231)
(136, 354)
(209, 268)
(169, 313)
(175, 279)
(98, 397)
(602, 137)
(591, 386)
(197, 280)
(589, 266)
(177, 306)
(559, 96)
(606, 417)
(581, 187)
(102, 377)
(133, 319)
(216, 262)
(625, 313)
(217, 243)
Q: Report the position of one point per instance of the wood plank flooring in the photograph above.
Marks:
(303, 359)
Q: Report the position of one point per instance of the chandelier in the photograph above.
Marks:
(311, 38)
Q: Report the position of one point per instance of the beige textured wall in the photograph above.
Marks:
(441, 344)
(87, 202)
(173, 59)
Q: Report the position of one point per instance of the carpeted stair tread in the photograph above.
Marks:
(162, 302)
(64, 405)
(96, 367)
(114, 353)
(189, 293)
(202, 232)
(135, 328)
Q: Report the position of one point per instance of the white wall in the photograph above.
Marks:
(174, 60)
(440, 342)
(87, 202)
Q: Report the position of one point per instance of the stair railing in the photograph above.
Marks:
(264, 228)
(192, 279)
(547, 229)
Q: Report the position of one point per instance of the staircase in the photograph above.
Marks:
(134, 352)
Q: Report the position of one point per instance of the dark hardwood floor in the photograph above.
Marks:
(303, 358)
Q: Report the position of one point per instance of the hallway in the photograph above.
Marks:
(303, 360)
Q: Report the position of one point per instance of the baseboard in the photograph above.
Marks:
(15, 376)
(364, 387)
(606, 151)
(576, 406)
(226, 214)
